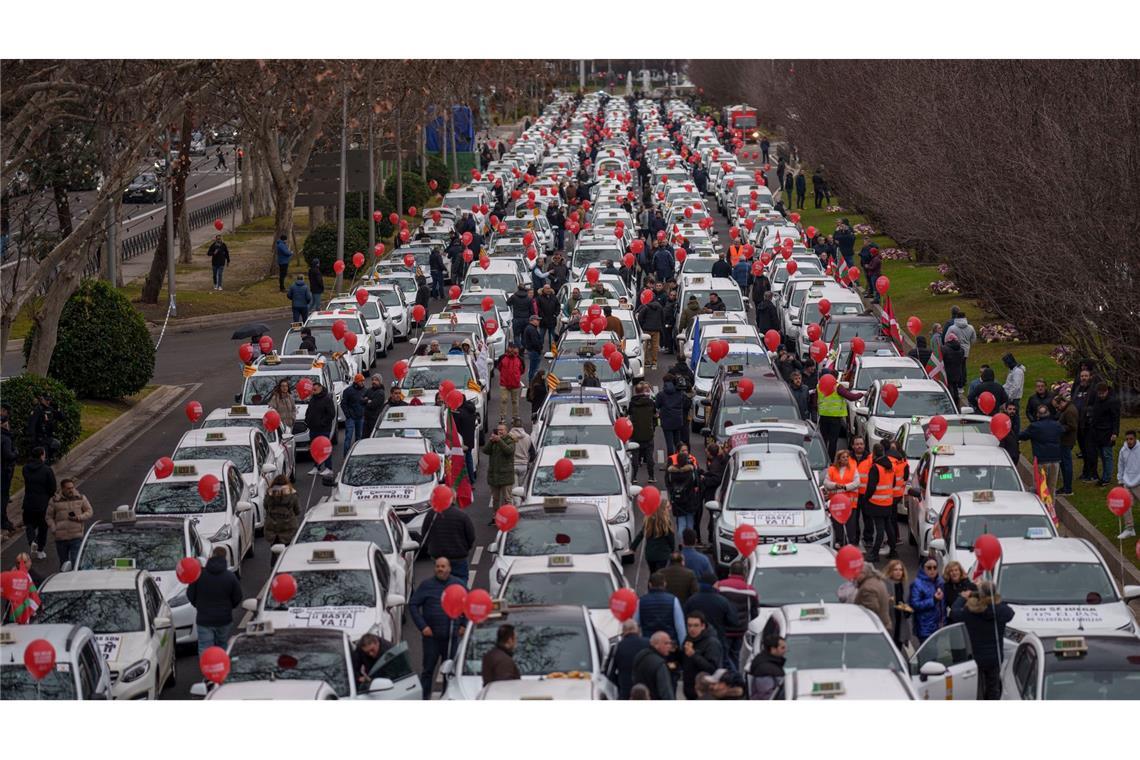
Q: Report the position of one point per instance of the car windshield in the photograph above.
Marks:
(868, 375)
(776, 586)
(757, 357)
(586, 480)
(369, 310)
(539, 534)
(1056, 583)
(495, 281)
(563, 435)
(16, 682)
(476, 299)
(811, 313)
(803, 267)
(259, 387)
(325, 340)
(922, 403)
(434, 435)
(948, 479)
(429, 375)
(569, 368)
(383, 470)
(101, 610)
(849, 329)
(542, 648)
(841, 650)
(1003, 526)
(698, 264)
(388, 297)
(153, 549)
(781, 494)
(329, 588)
(749, 413)
(813, 444)
(589, 590)
(178, 498)
(346, 530)
(270, 658)
(729, 296)
(584, 256)
(242, 456)
(1087, 684)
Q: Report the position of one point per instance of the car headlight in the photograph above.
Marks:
(817, 536)
(635, 351)
(181, 600)
(880, 433)
(724, 532)
(931, 518)
(222, 535)
(620, 517)
(135, 671)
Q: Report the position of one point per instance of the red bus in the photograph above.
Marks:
(741, 121)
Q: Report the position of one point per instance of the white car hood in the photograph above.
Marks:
(123, 649)
(168, 584)
(889, 424)
(605, 623)
(209, 523)
(777, 522)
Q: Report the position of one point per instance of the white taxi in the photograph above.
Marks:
(471, 325)
(346, 585)
(425, 373)
(275, 690)
(554, 643)
(571, 366)
(247, 448)
(598, 478)
(363, 356)
(586, 581)
(968, 514)
(331, 371)
(225, 520)
(585, 423)
(914, 437)
(130, 618)
(375, 318)
(876, 419)
(282, 443)
(1061, 585)
(157, 545)
(80, 672)
(399, 311)
(1084, 666)
(702, 287)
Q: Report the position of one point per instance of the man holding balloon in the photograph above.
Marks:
(215, 594)
(438, 614)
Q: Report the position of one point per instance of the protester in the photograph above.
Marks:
(219, 255)
(701, 652)
(500, 453)
(450, 534)
(499, 662)
(985, 616)
(281, 401)
(301, 298)
(352, 402)
(66, 515)
(899, 598)
(39, 489)
(621, 670)
(927, 598)
(651, 669)
(282, 514)
(643, 415)
(1128, 475)
(215, 596)
(871, 592)
(766, 671)
(660, 611)
(440, 633)
(673, 411)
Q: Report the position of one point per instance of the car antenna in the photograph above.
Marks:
(767, 440)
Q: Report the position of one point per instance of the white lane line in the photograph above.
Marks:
(478, 554)
(471, 579)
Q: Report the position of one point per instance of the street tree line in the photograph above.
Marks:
(1022, 176)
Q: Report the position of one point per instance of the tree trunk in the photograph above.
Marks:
(185, 249)
(399, 168)
(246, 189)
(46, 318)
(261, 194)
(454, 153)
(152, 287)
(421, 144)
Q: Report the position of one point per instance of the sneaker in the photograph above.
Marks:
(324, 471)
(34, 548)
(41, 555)
(1103, 484)
(1063, 493)
(1127, 533)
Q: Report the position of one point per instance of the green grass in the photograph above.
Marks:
(911, 296)
(197, 303)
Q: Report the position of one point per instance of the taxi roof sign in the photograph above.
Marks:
(323, 555)
(1070, 646)
(185, 469)
(554, 504)
(394, 415)
(273, 359)
(783, 548)
(813, 613)
(576, 454)
(750, 464)
(943, 449)
(983, 496)
(6, 636)
(1037, 533)
(123, 563)
(560, 560)
(581, 411)
(239, 410)
(123, 514)
(218, 436)
(344, 510)
(827, 689)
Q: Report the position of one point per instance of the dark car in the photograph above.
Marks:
(226, 134)
(771, 401)
(143, 189)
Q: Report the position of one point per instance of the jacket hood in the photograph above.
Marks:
(960, 322)
(216, 565)
(670, 387)
(36, 464)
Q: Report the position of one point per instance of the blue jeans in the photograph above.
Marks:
(218, 275)
(1105, 463)
(300, 313)
(68, 551)
(315, 301)
(517, 327)
(532, 360)
(1066, 468)
(460, 569)
(684, 521)
(436, 283)
(672, 441)
(470, 462)
(353, 429)
(209, 636)
(436, 648)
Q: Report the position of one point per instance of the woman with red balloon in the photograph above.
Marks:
(281, 401)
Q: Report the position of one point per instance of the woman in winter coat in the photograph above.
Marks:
(282, 513)
(955, 583)
(536, 393)
(660, 537)
(871, 592)
(67, 513)
(281, 399)
(901, 611)
(927, 598)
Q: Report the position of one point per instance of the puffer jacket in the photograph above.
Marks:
(929, 613)
(285, 406)
(643, 415)
(59, 521)
(965, 332)
(691, 310)
(744, 598)
(282, 514)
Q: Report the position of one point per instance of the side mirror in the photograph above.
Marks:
(396, 600)
(162, 621)
(380, 684)
(249, 605)
(712, 505)
(244, 506)
(1131, 592)
(915, 492)
(937, 545)
(65, 567)
(198, 690)
(861, 410)
(548, 355)
(632, 446)
(931, 669)
(447, 668)
(518, 491)
(967, 410)
(493, 547)
(410, 546)
(268, 469)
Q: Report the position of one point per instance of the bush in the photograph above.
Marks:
(439, 171)
(415, 191)
(321, 245)
(104, 349)
(352, 210)
(20, 394)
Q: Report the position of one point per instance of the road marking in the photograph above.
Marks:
(478, 554)
(471, 579)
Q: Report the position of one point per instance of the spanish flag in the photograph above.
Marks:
(248, 371)
(1041, 487)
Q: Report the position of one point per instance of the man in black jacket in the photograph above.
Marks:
(316, 285)
(721, 267)
(1103, 429)
(548, 309)
(451, 534)
(652, 318)
(984, 615)
(651, 668)
(532, 343)
(522, 307)
(701, 653)
(438, 270)
(844, 239)
(42, 424)
(801, 189)
(215, 596)
(767, 318)
(643, 415)
(766, 671)
(621, 664)
(373, 404)
(39, 488)
(954, 359)
(721, 617)
(466, 418)
(219, 257)
(320, 418)
(993, 386)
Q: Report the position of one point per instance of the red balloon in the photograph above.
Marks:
(840, 507)
(506, 517)
(772, 340)
(623, 427)
(349, 340)
(436, 216)
(378, 250)
(646, 296)
(937, 427)
(718, 349)
(745, 388)
(265, 344)
(412, 211)
(794, 217)
(409, 260)
(745, 539)
(616, 360)
(394, 218)
(283, 588)
(453, 600)
(818, 351)
(637, 246)
(1000, 425)
(454, 400)
(377, 216)
(608, 349)
(163, 467)
(849, 562)
(827, 384)
(466, 237)
(592, 275)
(597, 325)
(208, 487)
(987, 550)
(914, 325)
(681, 255)
(810, 232)
(468, 256)
(478, 605)
(358, 259)
(338, 267)
(445, 388)
(339, 328)
(814, 330)
(218, 225)
(487, 303)
(441, 497)
(429, 463)
(563, 469)
(792, 267)
(623, 603)
(858, 345)
(304, 388)
(404, 235)
(433, 184)
(214, 664)
(453, 292)
(628, 260)
(484, 261)
(400, 369)
(189, 569)
(649, 500)
(986, 402)
(362, 296)
(853, 274)
(39, 658)
(882, 285)
(824, 306)
(245, 353)
(193, 411)
(320, 449)
(271, 421)
(419, 313)
(890, 394)
(15, 586)
(491, 326)
(1119, 501)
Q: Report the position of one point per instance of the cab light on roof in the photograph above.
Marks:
(827, 689)
(883, 352)
(296, 325)
(554, 504)
(416, 392)
(396, 416)
(219, 436)
(183, 470)
(983, 496)
(581, 411)
(813, 613)
(123, 563)
(943, 449)
(259, 628)
(6, 637)
(344, 510)
(576, 454)
(273, 359)
(238, 411)
(1070, 646)
(560, 560)
(1038, 533)
(783, 548)
(322, 556)
(750, 464)
(123, 514)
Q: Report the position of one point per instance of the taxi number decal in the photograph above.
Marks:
(325, 617)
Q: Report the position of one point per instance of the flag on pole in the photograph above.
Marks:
(455, 468)
(935, 368)
(1041, 487)
(551, 381)
(695, 350)
(841, 271)
(890, 324)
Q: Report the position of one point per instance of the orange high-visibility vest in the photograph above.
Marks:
(899, 476)
(844, 476)
(734, 253)
(864, 473)
(884, 495)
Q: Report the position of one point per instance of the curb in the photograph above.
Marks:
(190, 324)
(94, 452)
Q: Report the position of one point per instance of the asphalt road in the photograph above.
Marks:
(206, 363)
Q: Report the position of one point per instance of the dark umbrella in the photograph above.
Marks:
(251, 330)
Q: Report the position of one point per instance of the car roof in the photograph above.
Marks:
(805, 555)
(215, 467)
(1002, 502)
(858, 683)
(542, 689)
(914, 385)
(396, 445)
(838, 618)
(1017, 551)
(578, 563)
(778, 461)
(60, 635)
(1115, 650)
(218, 436)
(411, 415)
(269, 689)
(871, 360)
(540, 613)
(589, 413)
(90, 580)
(969, 455)
(361, 510)
(350, 555)
(594, 454)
